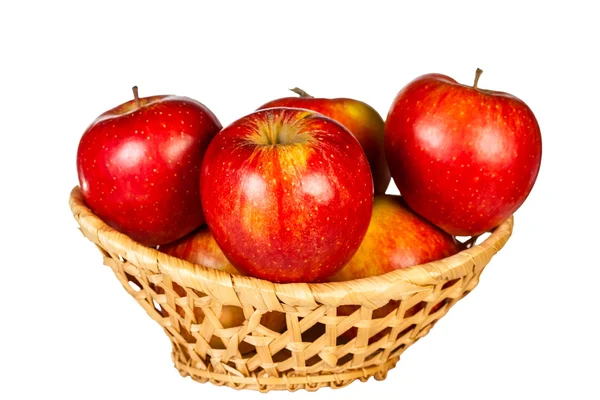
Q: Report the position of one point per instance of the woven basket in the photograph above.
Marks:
(334, 333)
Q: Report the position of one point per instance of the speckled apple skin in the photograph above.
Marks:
(139, 167)
(293, 212)
(462, 157)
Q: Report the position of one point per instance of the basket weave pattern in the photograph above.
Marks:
(334, 333)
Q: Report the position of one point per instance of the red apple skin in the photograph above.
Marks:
(139, 166)
(462, 157)
(362, 120)
(397, 238)
(200, 247)
(287, 194)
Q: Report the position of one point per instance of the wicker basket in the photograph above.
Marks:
(319, 344)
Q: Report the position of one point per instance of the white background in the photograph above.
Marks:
(67, 328)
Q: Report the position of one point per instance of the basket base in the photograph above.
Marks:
(288, 382)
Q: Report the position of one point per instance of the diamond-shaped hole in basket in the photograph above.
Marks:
(157, 306)
(313, 333)
(313, 360)
(186, 334)
(415, 309)
(380, 335)
(374, 355)
(134, 285)
(274, 321)
(282, 355)
(133, 282)
(408, 330)
(450, 283)
(198, 293)
(345, 359)
(398, 349)
(438, 306)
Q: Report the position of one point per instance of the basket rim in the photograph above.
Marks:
(240, 290)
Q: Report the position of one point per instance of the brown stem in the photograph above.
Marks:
(301, 93)
(136, 96)
(478, 73)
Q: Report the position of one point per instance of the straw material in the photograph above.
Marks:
(287, 336)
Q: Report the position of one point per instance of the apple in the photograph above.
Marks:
(287, 194)
(361, 119)
(464, 158)
(397, 238)
(138, 166)
(200, 247)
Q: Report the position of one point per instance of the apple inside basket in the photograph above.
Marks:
(292, 335)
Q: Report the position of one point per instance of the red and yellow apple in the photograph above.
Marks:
(287, 194)
(464, 158)
(362, 120)
(139, 166)
(200, 248)
(397, 238)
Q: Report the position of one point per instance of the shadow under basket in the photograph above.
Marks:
(287, 336)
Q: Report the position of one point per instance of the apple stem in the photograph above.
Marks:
(301, 93)
(136, 96)
(478, 73)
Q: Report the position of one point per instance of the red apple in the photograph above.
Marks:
(287, 194)
(397, 238)
(464, 158)
(361, 119)
(200, 247)
(139, 166)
